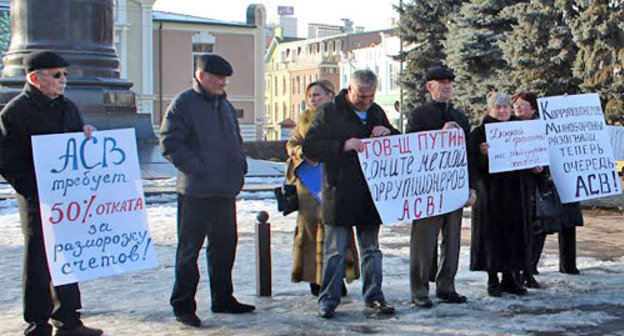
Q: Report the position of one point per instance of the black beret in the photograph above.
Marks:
(439, 74)
(43, 59)
(215, 64)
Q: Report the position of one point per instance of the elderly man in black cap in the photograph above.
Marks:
(437, 114)
(41, 108)
(200, 135)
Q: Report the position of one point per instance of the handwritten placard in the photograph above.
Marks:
(581, 157)
(416, 175)
(92, 205)
(616, 134)
(516, 145)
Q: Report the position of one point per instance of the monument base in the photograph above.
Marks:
(106, 103)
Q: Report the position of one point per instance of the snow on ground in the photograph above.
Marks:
(137, 303)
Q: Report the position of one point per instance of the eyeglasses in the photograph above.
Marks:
(522, 104)
(56, 75)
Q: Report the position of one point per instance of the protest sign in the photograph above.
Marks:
(311, 177)
(92, 205)
(516, 145)
(616, 135)
(581, 157)
(416, 175)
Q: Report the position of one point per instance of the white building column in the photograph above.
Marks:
(256, 15)
(145, 98)
(121, 36)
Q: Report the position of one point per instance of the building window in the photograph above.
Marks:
(393, 77)
(284, 85)
(275, 86)
(284, 108)
(201, 49)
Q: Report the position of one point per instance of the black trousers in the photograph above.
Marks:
(567, 250)
(200, 218)
(42, 301)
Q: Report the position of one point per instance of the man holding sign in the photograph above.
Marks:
(40, 109)
(437, 114)
(334, 139)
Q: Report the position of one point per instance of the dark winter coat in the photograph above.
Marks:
(200, 135)
(346, 198)
(499, 215)
(31, 113)
(432, 116)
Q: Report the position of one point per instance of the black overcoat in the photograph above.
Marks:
(499, 214)
(346, 199)
(31, 113)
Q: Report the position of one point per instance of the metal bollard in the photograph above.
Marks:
(263, 255)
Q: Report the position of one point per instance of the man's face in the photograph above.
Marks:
(360, 97)
(51, 82)
(213, 84)
(441, 90)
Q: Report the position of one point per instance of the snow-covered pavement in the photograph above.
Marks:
(137, 303)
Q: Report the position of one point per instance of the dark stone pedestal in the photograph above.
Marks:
(82, 32)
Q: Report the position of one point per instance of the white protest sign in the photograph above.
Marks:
(416, 175)
(92, 205)
(616, 134)
(581, 158)
(516, 145)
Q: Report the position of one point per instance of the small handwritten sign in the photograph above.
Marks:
(92, 205)
(581, 157)
(616, 134)
(516, 145)
(416, 175)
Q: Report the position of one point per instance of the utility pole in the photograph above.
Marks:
(401, 126)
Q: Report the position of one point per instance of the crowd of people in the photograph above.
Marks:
(200, 135)
(508, 229)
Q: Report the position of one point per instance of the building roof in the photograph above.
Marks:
(334, 37)
(275, 41)
(288, 123)
(284, 39)
(183, 18)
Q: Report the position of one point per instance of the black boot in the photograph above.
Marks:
(493, 287)
(529, 281)
(567, 251)
(526, 279)
(511, 285)
(315, 289)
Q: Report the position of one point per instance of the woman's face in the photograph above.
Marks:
(500, 112)
(318, 96)
(523, 109)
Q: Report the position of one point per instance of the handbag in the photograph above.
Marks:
(547, 201)
(287, 200)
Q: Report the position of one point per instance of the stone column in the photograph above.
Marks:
(82, 32)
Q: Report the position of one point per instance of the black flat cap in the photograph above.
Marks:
(43, 59)
(439, 73)
(215, 64)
